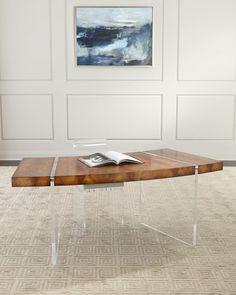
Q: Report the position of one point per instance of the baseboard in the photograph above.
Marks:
(229, 163)
(9, 163)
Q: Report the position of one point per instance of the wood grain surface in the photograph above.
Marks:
(33, 172)
(156, 164)
(71, 171)
(204, 164)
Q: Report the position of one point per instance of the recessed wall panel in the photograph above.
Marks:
(207, 40)
(27, 117)
(115, 116)
(205, 117)
(25, 40)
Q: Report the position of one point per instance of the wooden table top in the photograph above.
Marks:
(157, 164)
(33, 172)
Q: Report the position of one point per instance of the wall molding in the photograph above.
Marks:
(178, 58)
(30, 139)
(117, 139)
(50, 53)
(160, 117)
(198, 139)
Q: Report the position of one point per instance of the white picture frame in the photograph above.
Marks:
(108, 73)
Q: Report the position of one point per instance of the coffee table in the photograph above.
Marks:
(157, 164)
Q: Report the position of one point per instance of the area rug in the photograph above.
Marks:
(116, 254)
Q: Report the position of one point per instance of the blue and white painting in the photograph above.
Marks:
(114, 36)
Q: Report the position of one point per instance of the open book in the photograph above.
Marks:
(106, 158)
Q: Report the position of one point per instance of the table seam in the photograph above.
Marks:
(192, 164)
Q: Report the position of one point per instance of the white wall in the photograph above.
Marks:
(186, 100)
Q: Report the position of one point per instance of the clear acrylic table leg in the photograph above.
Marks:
(195, 213)
(141, 199)
(123, 208)
(54, 224)
(78, 205)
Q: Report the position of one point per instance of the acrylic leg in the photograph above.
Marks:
(123, 208)
(141, 200)
(54, 225)
(79, 206)
(75, 204)
(118, 195)
(195, 214)
(119, 204)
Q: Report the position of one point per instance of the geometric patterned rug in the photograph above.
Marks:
(111, 257)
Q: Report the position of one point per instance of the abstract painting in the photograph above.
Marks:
(114, 36)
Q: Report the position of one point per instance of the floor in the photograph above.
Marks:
(111, 257)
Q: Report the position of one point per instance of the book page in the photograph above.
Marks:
(119, 157)
(96, 159)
